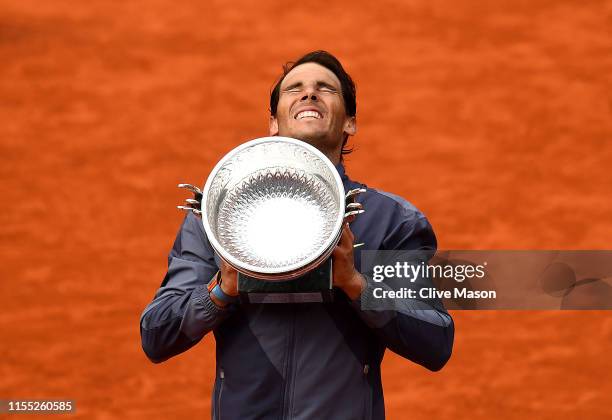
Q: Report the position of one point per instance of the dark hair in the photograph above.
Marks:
(330, 62)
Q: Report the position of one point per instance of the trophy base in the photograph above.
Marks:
(314, 286)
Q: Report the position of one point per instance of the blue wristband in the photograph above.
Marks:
(222, 296)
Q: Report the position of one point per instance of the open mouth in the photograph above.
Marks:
(308, 114)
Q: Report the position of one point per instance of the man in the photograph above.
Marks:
(309, 360)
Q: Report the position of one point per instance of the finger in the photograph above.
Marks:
(225, 267)
(342, 241)
(347, 237)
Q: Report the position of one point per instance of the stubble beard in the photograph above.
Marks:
(323, 142)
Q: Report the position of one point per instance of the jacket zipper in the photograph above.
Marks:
(221, 380)
(288, 391)
(368, 389)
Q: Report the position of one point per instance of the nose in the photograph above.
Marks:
(310, 95)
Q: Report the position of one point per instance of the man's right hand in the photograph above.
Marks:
(229, 283)
(229, 279)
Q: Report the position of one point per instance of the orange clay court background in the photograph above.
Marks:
(494, 118)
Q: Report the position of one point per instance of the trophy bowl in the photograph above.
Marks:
(273, 208)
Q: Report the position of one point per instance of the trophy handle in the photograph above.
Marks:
(351, 194)
(194, 204)
(353, 208)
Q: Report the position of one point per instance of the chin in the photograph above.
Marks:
(309, 136)
(322, 144)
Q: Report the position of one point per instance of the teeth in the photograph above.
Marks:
(306, 114)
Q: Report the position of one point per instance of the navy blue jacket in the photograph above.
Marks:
(306, 360)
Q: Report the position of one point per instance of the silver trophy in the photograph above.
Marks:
(273, 208)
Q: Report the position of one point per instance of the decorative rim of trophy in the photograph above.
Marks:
(273, 208)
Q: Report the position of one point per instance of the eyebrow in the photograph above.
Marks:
(320, 84)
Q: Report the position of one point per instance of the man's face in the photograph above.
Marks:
(311, 108)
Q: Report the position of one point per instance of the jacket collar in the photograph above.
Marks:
(340, 169)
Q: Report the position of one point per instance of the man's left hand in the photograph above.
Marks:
(345, 276)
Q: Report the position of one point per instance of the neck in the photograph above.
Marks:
(335, 156)
(323, 143)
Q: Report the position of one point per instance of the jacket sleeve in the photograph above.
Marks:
(419, 330)
(182, 312)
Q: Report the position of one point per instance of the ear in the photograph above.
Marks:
(350, 126)
(273, 126)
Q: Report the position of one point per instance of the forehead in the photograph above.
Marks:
(310, 72)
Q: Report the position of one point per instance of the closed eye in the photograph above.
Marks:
(325, 87)
(321, 86)
(296, 87)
